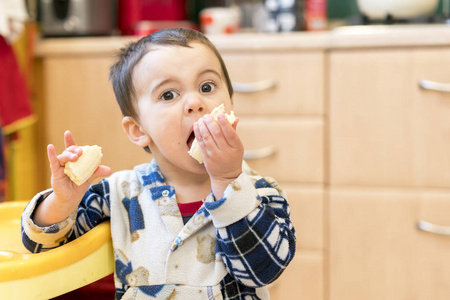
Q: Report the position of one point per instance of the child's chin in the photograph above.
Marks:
(198, 167)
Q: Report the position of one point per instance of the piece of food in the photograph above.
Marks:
(82, 169)
(195, 150)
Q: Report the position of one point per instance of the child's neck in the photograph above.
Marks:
(191, 193)
(188, 187)
(190, 190)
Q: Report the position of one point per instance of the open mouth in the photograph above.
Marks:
(190, 140)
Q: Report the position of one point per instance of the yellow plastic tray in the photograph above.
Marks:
(49, 274)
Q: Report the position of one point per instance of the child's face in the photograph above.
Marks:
(175, 86)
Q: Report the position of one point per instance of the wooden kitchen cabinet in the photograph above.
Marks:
(385, 129)
(362, 151)
(307, 206)
(288, 117)
(303, 279)
(297, 78)
(77, 96)
(389, 167)
(377, 251)
(298, 146)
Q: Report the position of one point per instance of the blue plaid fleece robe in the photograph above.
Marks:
(230, 249)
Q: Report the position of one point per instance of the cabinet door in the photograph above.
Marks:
(297, 143)
(298, 79)
(378, 252)
(303, 278)
(306, 203)
(78, 97)
(384, 129)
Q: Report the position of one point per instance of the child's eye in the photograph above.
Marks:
(207, 87)
(169, 95)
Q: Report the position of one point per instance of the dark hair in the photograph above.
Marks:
(121, 72)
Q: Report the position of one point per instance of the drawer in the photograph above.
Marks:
(306, 205)
(298, 80)
(297, 143)
(303, 278)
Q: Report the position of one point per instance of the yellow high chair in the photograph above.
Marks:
(26, 276)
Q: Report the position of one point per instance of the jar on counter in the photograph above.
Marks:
(280, 16)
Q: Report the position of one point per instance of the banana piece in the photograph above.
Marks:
(80, 170)
(195, 150)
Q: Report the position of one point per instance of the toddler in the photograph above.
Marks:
(180, 229)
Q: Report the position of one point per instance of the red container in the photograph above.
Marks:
(133, 11)
(315, 14)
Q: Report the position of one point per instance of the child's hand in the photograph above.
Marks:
(66, 194)
(61, 183)
(222, 151)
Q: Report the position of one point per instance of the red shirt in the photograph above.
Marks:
(187, 210)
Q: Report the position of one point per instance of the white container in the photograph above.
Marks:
(398, 9)
(220, 20)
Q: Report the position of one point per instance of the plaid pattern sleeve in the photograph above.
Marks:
(258, 247)
(93, 209)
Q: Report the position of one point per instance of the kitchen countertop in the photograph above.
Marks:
(373, 36)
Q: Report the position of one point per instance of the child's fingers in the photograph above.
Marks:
(204, 126)
(102, 171)
(70, 154)
(229, 131)
(53, 159)
(198, 134)
(199, 126)
(216, 130)
(68, 139)
(75, 150)
(66, 156)
(57, 161)
(234, 125)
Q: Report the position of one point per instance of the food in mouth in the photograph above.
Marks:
(195, 150)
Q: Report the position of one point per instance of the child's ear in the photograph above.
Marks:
(135, 133)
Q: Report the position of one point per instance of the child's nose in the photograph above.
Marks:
(194, 104)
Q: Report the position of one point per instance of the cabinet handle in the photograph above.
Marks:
(433, 228)
(434, 86)
(254, 86)
(260, 153)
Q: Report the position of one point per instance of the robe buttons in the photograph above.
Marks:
(165, 193)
